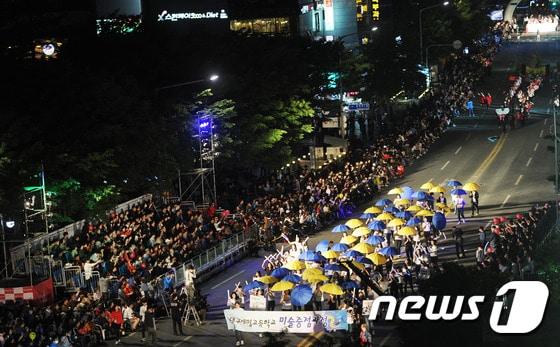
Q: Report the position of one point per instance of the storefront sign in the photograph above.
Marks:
(375, 11)
(165, 16)
(358, 106)
(290, 321)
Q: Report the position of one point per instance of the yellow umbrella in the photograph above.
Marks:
(348, 239)
(356, 264)
(396, 222)
(282, 286)
(441, 205)
(364, 248)
(361, 231)
(317, 278)
(385, 216)
(332, 288)
(425, 213)
(471, 186)
(377, 259)
(295, 265)
(401, 202)
(414, 208)
(395, 191)
(268, 279)
(427, 186)
(437, 189)
(354, 223)
(330, 254)
(373, 209)
(407, 231)
(311, 272)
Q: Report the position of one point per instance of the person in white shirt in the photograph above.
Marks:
(88, 272)
(130, 318)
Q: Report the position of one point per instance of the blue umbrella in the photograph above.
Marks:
(453, 183)
(404, 215)
(280, 272)
(364, 260)
(301, 295)
(407, 192)
(292, 278)
(389, 251)
(439, 221)
(352, 253)
(391, 209)
(335, 267)
(375, 239)
(458, 192)
(253, 285)
(349, 285)
(307, 256)
(341, 228)
(367, 215)
(322, 246)
(384, 202)
(421, 196)
(376, 225)
(413, 221)
(319, 258)
(339, 247)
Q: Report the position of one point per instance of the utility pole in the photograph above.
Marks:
(4, 244)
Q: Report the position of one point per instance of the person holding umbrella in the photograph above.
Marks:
(460, 209)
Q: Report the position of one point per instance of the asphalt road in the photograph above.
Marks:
(515, 172)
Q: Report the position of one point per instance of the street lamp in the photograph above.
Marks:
(211, 78)
(446, 3)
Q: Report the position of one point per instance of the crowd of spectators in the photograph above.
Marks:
(138, 245)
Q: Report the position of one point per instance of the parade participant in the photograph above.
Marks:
(459, 246)
(460, 209)
(473, 195)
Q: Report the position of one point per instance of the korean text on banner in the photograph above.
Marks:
(289, 321)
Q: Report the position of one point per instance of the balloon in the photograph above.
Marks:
(439, 221)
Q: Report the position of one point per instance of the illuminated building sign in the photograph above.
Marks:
(375, 9)
(174, 17)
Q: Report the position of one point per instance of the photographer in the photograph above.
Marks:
(176, 314)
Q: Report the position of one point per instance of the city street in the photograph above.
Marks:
(514, 171)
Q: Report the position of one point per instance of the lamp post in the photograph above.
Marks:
(420, 24)
(211, 78)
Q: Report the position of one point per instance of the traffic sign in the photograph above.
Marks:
(358, 106)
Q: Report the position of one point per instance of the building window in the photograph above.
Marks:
(317, 22)
(262, 25)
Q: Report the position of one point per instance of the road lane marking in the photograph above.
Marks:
(309, 339)
(529, 162)
(458, 150)
(227, 279)
(386, 339)
(445, 165)
(476, 125)
(490, 158)
(505, 201)
(536, 146)
(184, 340)
(518, 180)
(468, 136)
(546, 119)
(431, 179)
(541, 134)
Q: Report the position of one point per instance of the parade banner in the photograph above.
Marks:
(257, 302)
(285, 321)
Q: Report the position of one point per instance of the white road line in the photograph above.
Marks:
(227, 279)
(445, 165)
(468, 136)
(536, 146)
(487, 224)
(476, 125)
(529, 161)
(518, 180)
(458, 150)
(541, 134)
(386, 338)
(505, 201)
(184, 340)
(431, 179)
(546, 120)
